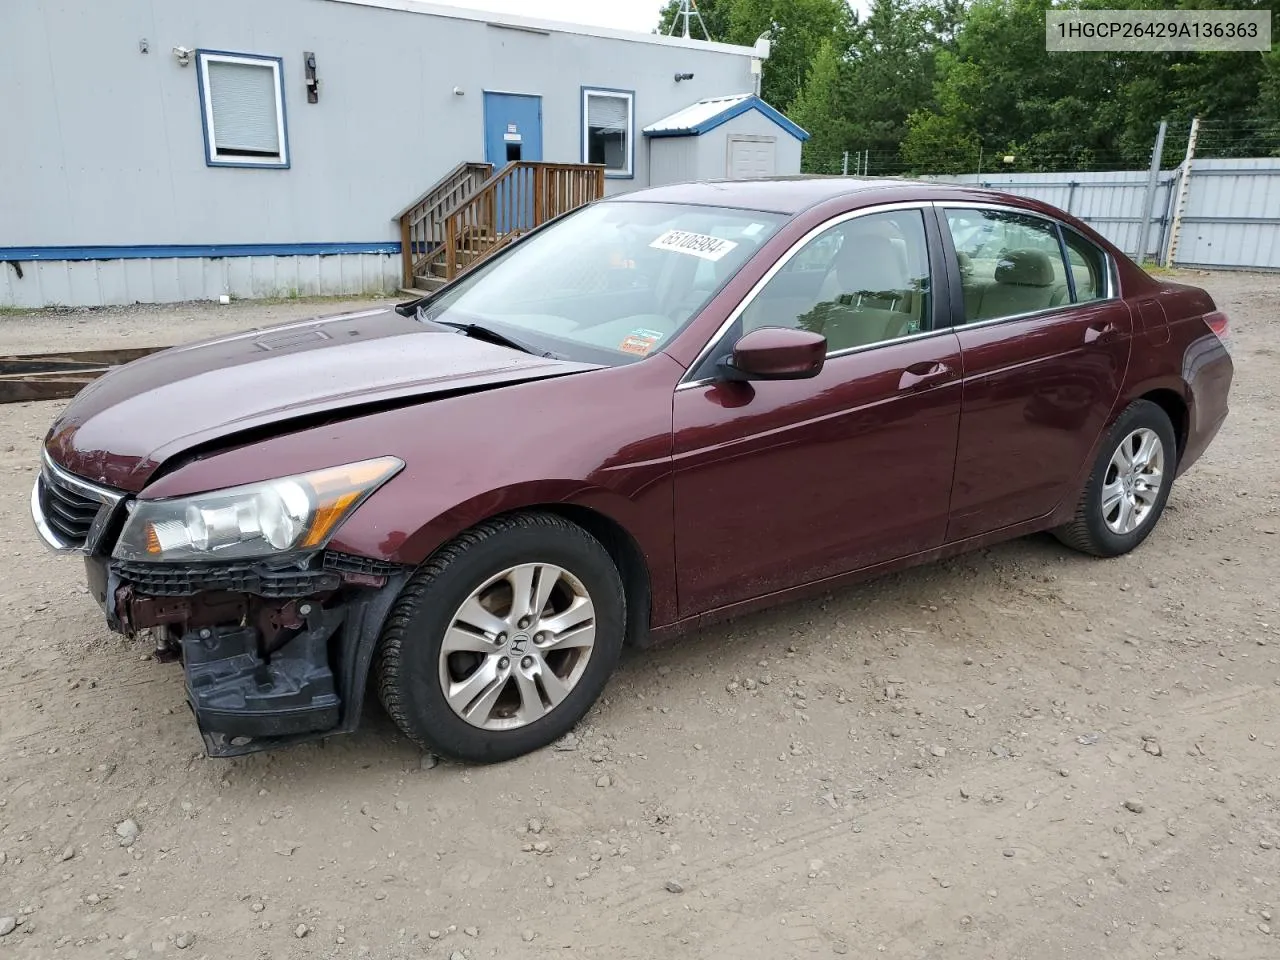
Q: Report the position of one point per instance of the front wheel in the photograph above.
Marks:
(1127, 491)
(500, 643)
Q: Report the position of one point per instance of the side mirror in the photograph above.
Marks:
(775, 353)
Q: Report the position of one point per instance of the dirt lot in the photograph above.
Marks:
(934, 765)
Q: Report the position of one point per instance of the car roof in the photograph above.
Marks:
(786, 195)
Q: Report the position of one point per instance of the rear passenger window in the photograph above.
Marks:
(858, 283)
(1010, 263)
(1088, 267)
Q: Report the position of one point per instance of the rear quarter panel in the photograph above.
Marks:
(1186, 357)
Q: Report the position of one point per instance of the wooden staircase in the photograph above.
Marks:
(472, 213)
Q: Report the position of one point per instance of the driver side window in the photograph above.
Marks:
(858, 283)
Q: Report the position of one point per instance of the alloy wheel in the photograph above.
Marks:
(517, 646)
(1132, 484)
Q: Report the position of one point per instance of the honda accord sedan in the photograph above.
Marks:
(659, 410)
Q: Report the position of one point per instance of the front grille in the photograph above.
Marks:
(185, 580)
(70, 508)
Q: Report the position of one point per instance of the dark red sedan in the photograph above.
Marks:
(661, 409)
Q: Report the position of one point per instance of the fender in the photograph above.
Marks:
(647, 519)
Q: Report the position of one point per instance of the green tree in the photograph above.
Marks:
(1267, 110)
(1000, 88)
(820, 110)
(927, 85)
(797, 30)
(890, 75)
(938, 143)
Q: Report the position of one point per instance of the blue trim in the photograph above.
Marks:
(751, 103)
(631, 134)
(187, 251)
(209, 159)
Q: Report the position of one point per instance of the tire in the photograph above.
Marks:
(1100, 531)
(470, 579)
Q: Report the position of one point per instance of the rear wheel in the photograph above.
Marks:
(502, 641)
(1127, 491)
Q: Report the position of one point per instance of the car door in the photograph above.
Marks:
(784, 482)
(1045, 350)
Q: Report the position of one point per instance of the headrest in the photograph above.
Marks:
(868, 260)
(1026, 268)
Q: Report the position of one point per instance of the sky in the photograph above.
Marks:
(639, 15)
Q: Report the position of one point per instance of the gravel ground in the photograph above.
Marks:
(1019, 753)
(154, 325)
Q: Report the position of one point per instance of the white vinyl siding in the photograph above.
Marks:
(608, 130)
(244, 117)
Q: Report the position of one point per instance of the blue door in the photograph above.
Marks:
(513, 132)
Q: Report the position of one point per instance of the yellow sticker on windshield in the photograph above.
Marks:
(695, 244)
(639, 342)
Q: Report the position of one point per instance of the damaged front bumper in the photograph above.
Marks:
(274, 651)
(272, 654)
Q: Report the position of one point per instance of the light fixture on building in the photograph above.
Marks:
(683, 76)
(763, 47)
(313, 85)
(459, 92)
(184, 55)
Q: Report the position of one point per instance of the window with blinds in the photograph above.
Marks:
(242, 99)
(608, 126)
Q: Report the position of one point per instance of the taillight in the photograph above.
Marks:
(1219, 324)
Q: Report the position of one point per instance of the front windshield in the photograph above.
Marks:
(610, 283)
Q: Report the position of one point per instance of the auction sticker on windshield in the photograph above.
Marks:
(694, 244)
(640, 342)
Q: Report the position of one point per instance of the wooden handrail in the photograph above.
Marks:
(422, 222)
(455, 174)
(522, 196)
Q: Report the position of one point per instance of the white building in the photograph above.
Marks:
(161, 151)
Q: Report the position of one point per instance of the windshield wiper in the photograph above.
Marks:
(481, 332)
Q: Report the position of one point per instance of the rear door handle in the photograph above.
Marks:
(922, 374)
(1098, 331)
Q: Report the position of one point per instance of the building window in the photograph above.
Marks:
(242, 106)
(608, 130)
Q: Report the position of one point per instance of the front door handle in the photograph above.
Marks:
(923, 374)
(1099, 331)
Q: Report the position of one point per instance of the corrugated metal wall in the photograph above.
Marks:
(1231, 218)
(101, 283)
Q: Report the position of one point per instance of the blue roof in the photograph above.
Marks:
(706, 115)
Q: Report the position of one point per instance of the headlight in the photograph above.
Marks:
(256, 520)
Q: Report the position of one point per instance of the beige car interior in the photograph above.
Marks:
(1024, 281)
(869, 292)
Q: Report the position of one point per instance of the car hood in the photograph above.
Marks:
(124, 425)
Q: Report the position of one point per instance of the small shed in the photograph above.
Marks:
(736, 137)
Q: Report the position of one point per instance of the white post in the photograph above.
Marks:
(1184, 188)
(845, 172)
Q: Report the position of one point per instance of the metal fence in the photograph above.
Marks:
(1223, 213)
